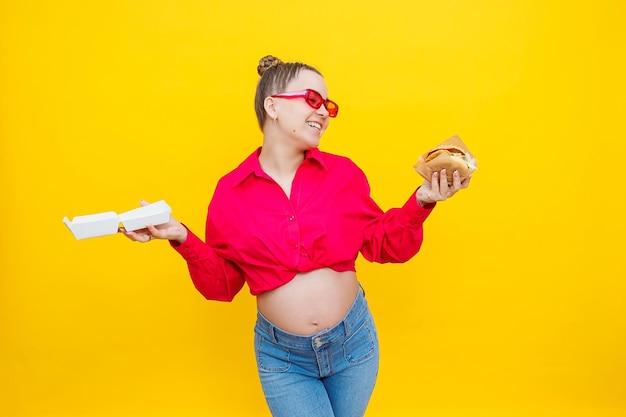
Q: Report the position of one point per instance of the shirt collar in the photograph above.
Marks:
(251, 165)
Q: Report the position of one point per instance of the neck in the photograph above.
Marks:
(280, 161)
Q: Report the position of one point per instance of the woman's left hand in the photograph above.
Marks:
(438, 189)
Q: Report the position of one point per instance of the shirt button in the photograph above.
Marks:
(292, 218)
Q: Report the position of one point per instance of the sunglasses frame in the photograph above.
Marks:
(331, 107)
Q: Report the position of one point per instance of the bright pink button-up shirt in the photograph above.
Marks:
(257, 234)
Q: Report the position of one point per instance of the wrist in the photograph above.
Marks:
(423, 202)
(426, 205)
(178, 237)
(183, 235)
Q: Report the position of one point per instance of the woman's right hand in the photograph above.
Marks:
(172, 230)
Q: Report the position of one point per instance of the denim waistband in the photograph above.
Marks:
(344, 328)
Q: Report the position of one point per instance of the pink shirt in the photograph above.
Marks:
(256, 234)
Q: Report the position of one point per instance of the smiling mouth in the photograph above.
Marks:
(315, 125)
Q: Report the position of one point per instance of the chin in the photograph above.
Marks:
(308, 140)
(313, 143)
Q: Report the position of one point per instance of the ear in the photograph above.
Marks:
(270, 106)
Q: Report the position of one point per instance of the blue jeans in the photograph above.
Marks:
(328, 374)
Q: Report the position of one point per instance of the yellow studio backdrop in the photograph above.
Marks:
(514, 307)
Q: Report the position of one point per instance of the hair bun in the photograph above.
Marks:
(266, 63)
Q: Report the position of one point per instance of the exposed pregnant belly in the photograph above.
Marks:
(310, 302)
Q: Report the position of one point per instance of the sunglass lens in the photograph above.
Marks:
(332, 108)
(314, 99)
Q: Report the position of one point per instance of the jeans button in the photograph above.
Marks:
(318, 341)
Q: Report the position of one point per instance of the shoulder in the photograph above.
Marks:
(248, 166)
(225, 189)
(344, 170)
(338, 162)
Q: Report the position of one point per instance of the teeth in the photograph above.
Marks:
(315, 125)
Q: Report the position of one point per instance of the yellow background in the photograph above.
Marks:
(514, 307)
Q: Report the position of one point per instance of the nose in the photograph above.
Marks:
(322, 111)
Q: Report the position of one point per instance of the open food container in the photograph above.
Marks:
(107, 223)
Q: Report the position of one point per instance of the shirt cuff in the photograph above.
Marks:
(190, 249)
(415, 214)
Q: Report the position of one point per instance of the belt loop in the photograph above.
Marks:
(347, 329)
(267, 325)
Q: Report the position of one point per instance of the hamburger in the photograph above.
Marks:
(451, 155)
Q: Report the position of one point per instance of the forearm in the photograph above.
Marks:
(215, 277)
(396, 235)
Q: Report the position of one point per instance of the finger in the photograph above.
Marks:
(128, 235)
(433, 179)
(434, 186)
(443, 183)
(143, 203)
(139, 237)
(456, 180)
(132, 236)
(465, 182)
(144, 238)
(156, 233)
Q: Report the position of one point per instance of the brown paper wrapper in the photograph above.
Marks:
(446, 161)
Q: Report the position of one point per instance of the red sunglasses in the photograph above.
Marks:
(313, 99)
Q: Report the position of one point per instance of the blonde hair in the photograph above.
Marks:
(275, 75)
